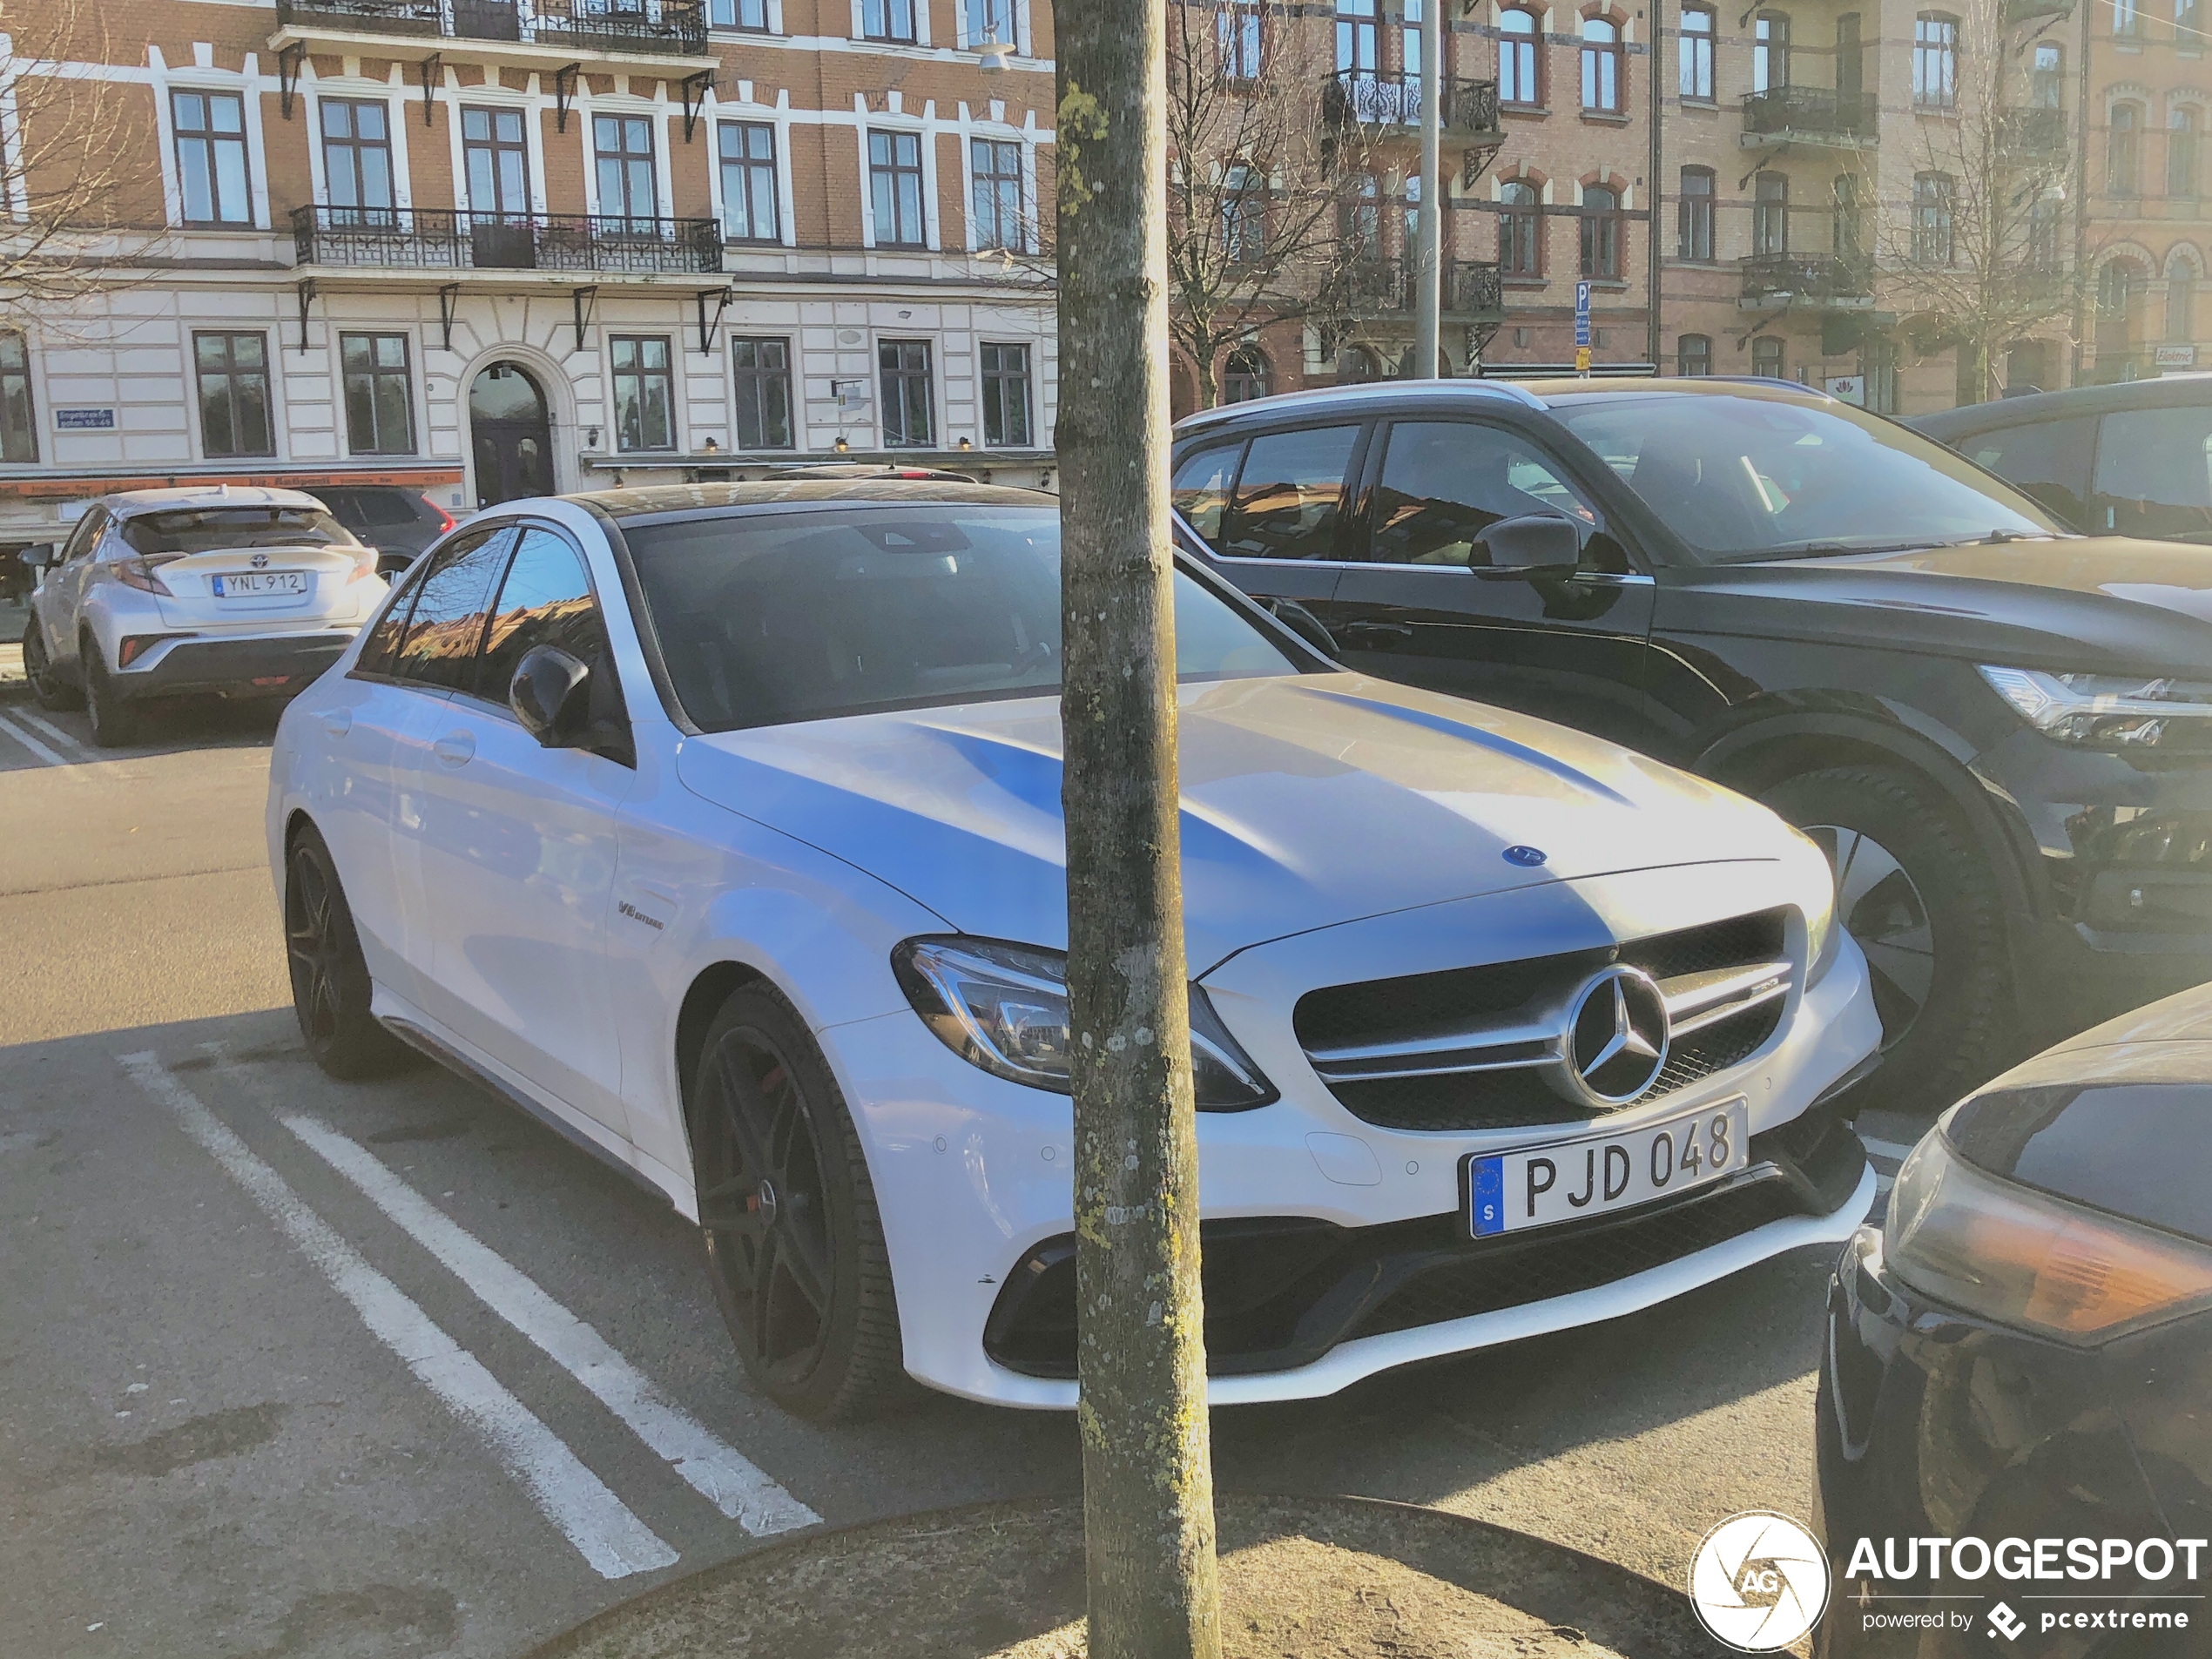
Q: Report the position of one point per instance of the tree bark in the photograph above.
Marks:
(1147, 1478)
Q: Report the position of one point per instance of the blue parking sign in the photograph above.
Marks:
(1581, 313)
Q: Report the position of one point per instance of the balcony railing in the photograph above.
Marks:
(656, 26)
(1815, 277)
(1392, 98)
(2038, 133)
(1812, 108)
(433, 239)
(1385, 287)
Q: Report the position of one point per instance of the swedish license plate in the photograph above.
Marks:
(260, 584)
(1573, 1180)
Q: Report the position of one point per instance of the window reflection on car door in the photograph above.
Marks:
(1569, 649)
(2154, 474)
(1272, 509)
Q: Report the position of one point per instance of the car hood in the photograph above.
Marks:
(1308, 801)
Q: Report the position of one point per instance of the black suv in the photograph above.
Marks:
(2001, 731)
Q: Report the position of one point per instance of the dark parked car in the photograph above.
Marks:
(2023, 1351)
(2134, 459)
(398, 523)
(2001, 733)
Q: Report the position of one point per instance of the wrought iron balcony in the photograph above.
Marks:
(1817, 278)
(650, 26)
(1378, 287)
(1812, 110)
(436, 239)
(1374, 98)
(2034, 133)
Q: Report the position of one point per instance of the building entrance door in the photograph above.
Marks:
(511, 435)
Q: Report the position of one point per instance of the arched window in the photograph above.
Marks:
(1696, 51)
(2120, 301)
(2182, 154)
(2181, 301)
(1770, 52)
(1521, 243)
(1694, 354)
(1771, 213)
(1694, 222)
(1601, 66)
(1518, 81)
(2123, 146)
(1246, 375)
(1601, 233)
(1935, 61)
(1848, 235)
(1356, 364)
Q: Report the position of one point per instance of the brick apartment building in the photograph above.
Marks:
(493, 247)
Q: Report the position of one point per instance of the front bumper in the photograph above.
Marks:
(232, 666)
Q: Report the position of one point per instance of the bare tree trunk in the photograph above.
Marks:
(1209, 386)
(1148, 1474)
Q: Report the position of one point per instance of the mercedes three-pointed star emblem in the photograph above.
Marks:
(1616, 1038)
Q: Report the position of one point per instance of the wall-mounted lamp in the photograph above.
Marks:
(965, 444)
(843, 447)
(710, 448)
(591, 436)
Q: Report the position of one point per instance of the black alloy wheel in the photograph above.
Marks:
(115, 722)
(788, 1213)
(55, 694)
(330, 983)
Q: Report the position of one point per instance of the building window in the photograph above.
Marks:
(2047, 78)
(1601, 233)
(894, 188)
(2186, 33)
(1006, 396)
(1601, 66)
(2127, 19)
(908, 407)
(380, 401)
(496, 161)
(1877, 363)
(2044, 217)
(1935, 61)
(996, 182)
(1518, 81)
(211, 173)
(1244, 214)
(762, 370)
(1520, 238)
(18, 420)
(739, 14)
(623, 146)
(1766, 357)
(1356, 36)
(1237, 40)
(1696, 53)
(1771, 213)
(1246, 375)
(2122, 142)
(234, 373)
(1769, 52)
(1694, 354)
(1849, 233)
(645, 392)
(888, 20)
(1850, 69)
(357, 161)
(2181, 153)
(988, 20)
(749, 181)
(2180, 308)
(1694, 221)
(1932, 219)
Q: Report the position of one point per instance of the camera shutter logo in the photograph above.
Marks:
(1759, 1581)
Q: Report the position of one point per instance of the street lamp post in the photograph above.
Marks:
(1428, 267)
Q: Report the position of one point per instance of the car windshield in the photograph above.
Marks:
(1741, 478)
(217, 530)
(768, 620)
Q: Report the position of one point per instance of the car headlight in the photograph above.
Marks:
(2109, 710)
(2019, 1258)
(1004, 1007)
(1822, 934)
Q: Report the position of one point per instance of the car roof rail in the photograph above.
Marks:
(1359, 394)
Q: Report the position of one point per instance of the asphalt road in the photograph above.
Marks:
(288, 1367)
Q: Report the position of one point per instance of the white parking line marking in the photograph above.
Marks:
(53, 731)
(1889, 1150)
(32, 743)
(719, 1473)
(602, 1529)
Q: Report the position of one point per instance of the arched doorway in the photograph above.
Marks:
(511, 435)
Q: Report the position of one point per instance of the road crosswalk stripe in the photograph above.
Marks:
(30, 743)
(718, 1470)
(611, 1538)
(53, 731)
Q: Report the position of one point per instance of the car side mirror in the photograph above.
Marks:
(1529, 546)
(551, 696)
(35, 557)
(1303, 623)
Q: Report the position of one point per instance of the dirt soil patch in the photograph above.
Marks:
(1301, 1579)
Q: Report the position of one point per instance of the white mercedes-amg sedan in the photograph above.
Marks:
(719, 827)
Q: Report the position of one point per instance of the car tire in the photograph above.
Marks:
(1920, 899)
(54, 694)
(794, 1243)
(330, 983)
(115, 723)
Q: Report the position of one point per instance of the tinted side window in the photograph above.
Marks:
(2049, 460)
(546, 600)
(384, 635)
(452, 604)
(1201, 488)
(86, 535)
(1444, 482)
(1289, 495)
(2154, 473)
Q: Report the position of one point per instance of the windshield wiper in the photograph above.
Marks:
(1831, 550)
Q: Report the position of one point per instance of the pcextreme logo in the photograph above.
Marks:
(1759, 1581)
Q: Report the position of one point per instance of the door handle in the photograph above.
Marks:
(456, 748)
(1375, 631)
(338, 722)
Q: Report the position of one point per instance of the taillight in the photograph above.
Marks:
(364, 565)
(445, 519)
(138, 571)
